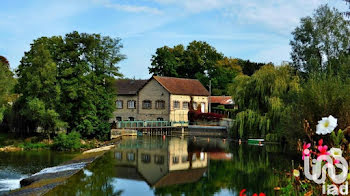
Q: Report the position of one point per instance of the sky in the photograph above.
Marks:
(256, 30)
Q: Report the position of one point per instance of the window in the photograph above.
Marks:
(160, 104)
(119, 104)
(131, 156)
(160, 119)
(118, 118)
(184, 159)
(201, 157)
(194, 157)
(146, 158)
(195, 105)
(131, 119)
(185, 105)
(175, 160)
(147, 104)
(158, 159)
(118, 155)
(176, 104)
(131, 104)
(202, 107)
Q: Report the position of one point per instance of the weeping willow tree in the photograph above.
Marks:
(264, 99)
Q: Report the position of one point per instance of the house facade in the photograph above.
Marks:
(159, 98)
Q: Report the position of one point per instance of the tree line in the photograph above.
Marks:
(66, 83)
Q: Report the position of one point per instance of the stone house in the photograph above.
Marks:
(159, 98)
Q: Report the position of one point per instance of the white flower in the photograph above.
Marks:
(335, 152)
(326, 125)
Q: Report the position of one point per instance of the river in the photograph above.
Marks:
(15, 166)
(182, 166)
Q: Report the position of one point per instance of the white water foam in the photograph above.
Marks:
(9, 184)
(73, 166)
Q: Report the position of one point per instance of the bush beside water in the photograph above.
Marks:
(69, 141)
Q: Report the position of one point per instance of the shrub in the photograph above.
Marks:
(197, 115)
(30, 145)
(69, 141)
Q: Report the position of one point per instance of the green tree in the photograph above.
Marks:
(264, 100)
(224, 73)
(248, 67)
(7, 83)
(72, 76)
(201, 61)
(321, 42)
(323, 96)
(196, 61)
(167, 61)
(39, 88)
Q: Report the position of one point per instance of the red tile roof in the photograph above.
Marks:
(182, 86)
(223, 100)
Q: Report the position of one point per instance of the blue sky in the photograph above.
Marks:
(257, 30)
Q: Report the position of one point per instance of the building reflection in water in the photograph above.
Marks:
(160, 163)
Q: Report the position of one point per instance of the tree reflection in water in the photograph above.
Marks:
(181, 167)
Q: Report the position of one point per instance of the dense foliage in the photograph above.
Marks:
(66, 82)
(275, 101)
(264, 100)
(6, 85)
(69, 141)
(201, 61)
(321, 43)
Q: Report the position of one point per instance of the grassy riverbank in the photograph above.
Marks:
(11, 142)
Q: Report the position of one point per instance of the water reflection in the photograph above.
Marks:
(174, 166)
(167, 163)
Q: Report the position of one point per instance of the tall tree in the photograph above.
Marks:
(7, 83)
(249, 67)
(167, 61)
(264, 100)
(201, 61)
(39, 88)
(195, 61)
(71, 76)
(223, 74)
(321, 43)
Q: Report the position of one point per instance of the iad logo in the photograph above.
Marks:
(318, 169)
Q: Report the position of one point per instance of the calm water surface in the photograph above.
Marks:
(174, 166)
(15, 166)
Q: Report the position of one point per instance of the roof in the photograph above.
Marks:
(223, 100)
(182, 86)
(129, 87)
(180, 177)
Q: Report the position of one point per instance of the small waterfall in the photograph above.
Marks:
(56, 169)
(10, 180)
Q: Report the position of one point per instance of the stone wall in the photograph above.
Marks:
(153, 91)
(125, 112)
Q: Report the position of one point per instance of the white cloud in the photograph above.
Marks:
(128, 7)
(196, 6)
(280, 15)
